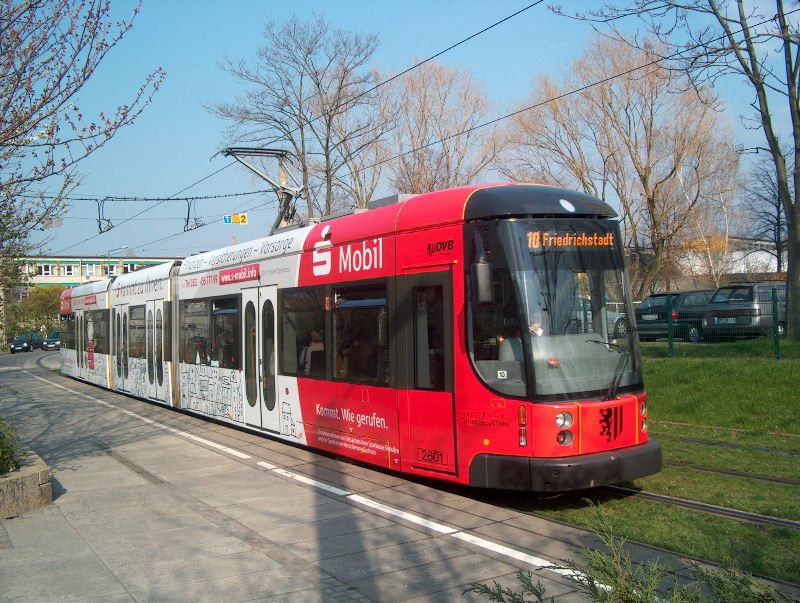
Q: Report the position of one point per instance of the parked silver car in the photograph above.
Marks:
(744, 310)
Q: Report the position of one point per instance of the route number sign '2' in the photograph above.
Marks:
(235, 218)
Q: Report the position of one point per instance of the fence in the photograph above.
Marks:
(761, 314)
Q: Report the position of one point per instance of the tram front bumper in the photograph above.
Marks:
(567, 473)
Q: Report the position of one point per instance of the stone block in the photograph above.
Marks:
(27, 488)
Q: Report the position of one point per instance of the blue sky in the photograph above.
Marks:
(172, 144)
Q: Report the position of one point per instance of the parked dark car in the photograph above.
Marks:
(26, 343)
(688, 309)
(745, 310)
(52, 341)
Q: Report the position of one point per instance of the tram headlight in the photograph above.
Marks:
(564, 437)
(644, 425)
(643, 408)
(564, 420)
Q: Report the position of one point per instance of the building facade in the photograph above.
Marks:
(70, 271)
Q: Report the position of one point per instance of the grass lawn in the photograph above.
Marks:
(725, 406)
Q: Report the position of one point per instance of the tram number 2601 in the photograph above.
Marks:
(435, 457)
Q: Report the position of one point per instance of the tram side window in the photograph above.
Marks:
(496, 343)
(428, 313)
(195, 344)
(97, 330)
(302, 332)
(68, 331)
(360, 335)
(225, 330)
(136, 333)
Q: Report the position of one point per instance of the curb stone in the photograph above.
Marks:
(27, 488)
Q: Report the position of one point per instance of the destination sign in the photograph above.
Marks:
(538, 239)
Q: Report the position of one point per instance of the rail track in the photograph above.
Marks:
(788, 481)
(734, 445)
(708, 508)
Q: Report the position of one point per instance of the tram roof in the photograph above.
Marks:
(466, 203)
(91, 288)
(145, 275)
(427, 210)
(511, 200)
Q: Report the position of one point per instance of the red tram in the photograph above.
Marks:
(477, 335)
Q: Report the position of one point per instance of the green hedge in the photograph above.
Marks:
(9, 444)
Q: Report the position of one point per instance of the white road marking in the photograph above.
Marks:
(438, 527)
(311, 482)
(477, 541)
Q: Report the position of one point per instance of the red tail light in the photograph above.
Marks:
(674, 315)
(522, 421)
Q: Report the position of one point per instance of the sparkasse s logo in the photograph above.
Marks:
(321, 257)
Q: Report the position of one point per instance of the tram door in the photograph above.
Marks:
(119, 343)
(154, 349)
(260, 358)
(80, 345)
(426, 343)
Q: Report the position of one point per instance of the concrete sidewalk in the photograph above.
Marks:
(144, 513)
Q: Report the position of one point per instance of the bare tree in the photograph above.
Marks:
(710, 39)
(765, 212)
(706, 248)
(631, 135)
(363, 148)
(308, 84)
(435, 141)
(49, 49)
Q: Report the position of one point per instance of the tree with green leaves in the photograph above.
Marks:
(38, 312)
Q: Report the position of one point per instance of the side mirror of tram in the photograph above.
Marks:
(482, 291)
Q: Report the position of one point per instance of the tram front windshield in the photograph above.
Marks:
(555, 326)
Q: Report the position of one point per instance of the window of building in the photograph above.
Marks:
(44, 270)
(302, 329)
(69, 269)
(90, 269)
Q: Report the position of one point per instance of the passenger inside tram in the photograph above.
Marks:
(312, 358)
(362, 357)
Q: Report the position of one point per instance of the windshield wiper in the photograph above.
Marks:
(622, 364)
(618, 372)
(608, 344)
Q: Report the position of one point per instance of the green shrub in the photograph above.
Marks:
(9, 444)
(611, 576)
